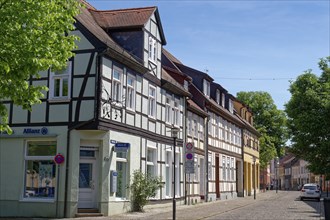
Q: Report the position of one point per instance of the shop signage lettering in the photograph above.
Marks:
(42, 131)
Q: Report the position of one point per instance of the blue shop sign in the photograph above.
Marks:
(122, 147)
(42, 131)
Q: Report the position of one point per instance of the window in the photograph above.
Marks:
(185, 84)
(168, 173)
(40, 170)
(152, 101)
(151, 161)
(195, 129)
(231, 106)
(218, 96)
(224, 168)
(232, 169)
(189, 126)
(196, 169)
(210, 167)
(168, 109)
(201, 129)
(223, 100)
(206, 88)
(122, 172)
(60, 83)
(228, 168)
(130, 100)
(176, 113)
(117, 86)
(152, 49)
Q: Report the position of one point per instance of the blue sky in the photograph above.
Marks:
(244, 45)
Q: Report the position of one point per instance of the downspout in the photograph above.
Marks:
(206, 155)
(242, 144)
(185, 141)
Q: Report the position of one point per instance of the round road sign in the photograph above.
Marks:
(189, 146)
(189, 156)
(59, 158)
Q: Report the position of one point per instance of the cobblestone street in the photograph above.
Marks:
(269, 205)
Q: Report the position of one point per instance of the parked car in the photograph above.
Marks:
(310, 191)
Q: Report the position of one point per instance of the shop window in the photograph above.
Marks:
(60, 83)
(40, 170)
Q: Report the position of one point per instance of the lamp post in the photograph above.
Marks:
(175, 132)
(254, 176)
(276, 172)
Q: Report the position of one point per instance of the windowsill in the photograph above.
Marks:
(152, 118)
(130, 110)
(152, 61)
(57, 100)
(121, 200)
(37, 200)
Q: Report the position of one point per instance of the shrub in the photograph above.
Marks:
(142, 188)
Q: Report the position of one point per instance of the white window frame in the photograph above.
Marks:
(231, 106)
(123, 160)
(176, 113)
(232, 169)
(131, 92)
(66, 74)
(117, 85)
(168, 115)
(206, 88)
(169, 169)
(228, 168)
(152, 49)
(152, 162)
(218, 96)
(224, 174)
(38, 158)
(152, 102)
(223, 98)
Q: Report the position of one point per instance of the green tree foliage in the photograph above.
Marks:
(142, 188)
(309, 118)
(33, 37)
(270, 123)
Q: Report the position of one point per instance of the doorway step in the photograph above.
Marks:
(88, 213)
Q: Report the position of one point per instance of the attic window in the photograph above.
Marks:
(152, 49)
(218, 96)
(206, 88)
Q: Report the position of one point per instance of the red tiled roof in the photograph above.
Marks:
(133, 17)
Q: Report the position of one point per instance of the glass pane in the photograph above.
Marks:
(57, 85)
(116, 75)
(85, 175)
(121, 179)
(41, 148)
(87, 153)
(65, 88)
(130, 81)
(40, 179)
(122, 155)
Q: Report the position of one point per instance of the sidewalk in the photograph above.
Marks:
(198, 211)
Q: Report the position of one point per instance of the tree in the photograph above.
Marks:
(309, 118)
(142, 188)
(33, 38)
(270, 123)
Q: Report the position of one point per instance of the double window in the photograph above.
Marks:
(40, 170)
(151, 161)
(176, 113)
(60, 83)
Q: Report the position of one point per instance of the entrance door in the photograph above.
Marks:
(217, 177)
(87, 179)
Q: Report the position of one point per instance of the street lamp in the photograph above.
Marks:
(175, 132)
(254, 176)
(276, 172)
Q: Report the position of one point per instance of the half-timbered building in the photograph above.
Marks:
(107, 114)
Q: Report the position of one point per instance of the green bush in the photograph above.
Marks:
(142, 188)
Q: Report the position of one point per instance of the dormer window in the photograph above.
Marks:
(152, 49)
(185, 84)
(223, 100)
(218, 96)
(231, 106)
(206, 88)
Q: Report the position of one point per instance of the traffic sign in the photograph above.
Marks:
(59, 158)
(189, 161)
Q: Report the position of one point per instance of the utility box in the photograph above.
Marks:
(113, 181)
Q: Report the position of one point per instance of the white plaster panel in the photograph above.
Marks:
(86, 110)
(153, 29)
(19, 115)
(43, 73)
(138, 104)
(81, 63)
(41, 83)
(59, 113)
(106, 68)
(138, 120)
(152, 126)
(159, 111)
(145, 105)
(83, 43)
(130, 119)
(90, 87)
(38, 113)
(144, 124)
(158, 127)
(138, 84)
(77, 83)
(145, 88)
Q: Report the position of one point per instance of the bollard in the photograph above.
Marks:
(326, 202)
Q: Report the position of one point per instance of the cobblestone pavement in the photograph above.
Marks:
(268, 205)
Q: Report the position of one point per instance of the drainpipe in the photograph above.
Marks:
(242, 144)
(185, 141)
(206, 155)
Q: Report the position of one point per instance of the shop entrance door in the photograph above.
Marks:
(87, 180)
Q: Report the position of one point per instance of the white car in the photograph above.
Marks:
(310, 191)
